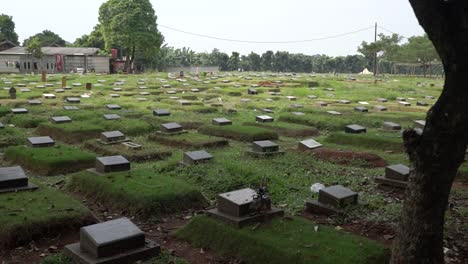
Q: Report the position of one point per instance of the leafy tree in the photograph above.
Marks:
(234, 61)
(47, 38)
(419, 49)
(267, 60)
(7, 29)
(437, 152)
(94, 39)
(386, 47)
(34, 48)
(130, 24)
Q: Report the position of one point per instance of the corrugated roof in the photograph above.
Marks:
(54, 51)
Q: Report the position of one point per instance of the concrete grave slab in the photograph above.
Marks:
(70, 107)
(264, 119)
(113, 107)
(309, 144)
(17, 111)
(195, 157)
(60, 119)
(73, 100)
(34, 102)
(161, 112)
(112, 164)
(171, 128)
(331, 200)
(39, 142)
(221, 121)
(420, 123)
(355, 129)
(13, 179)
(112, 137)
(380, 108)
(361, 109)
(334, 112)
(111, 117)
(391, 126)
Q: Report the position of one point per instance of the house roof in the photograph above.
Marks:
(54, 51)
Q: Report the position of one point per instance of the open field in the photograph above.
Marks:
(159, 191)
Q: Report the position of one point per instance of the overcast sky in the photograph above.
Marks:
(253, 20)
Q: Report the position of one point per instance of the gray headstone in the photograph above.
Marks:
(420, 123)
(361, 109)
(69, 107)
(403, 103)
(19, 111)
(355, 129)
(397, 172)
(171, 128)
(113, 106)
(73, 100)
(382, 100)
(12, 177)
(112, 164)
(380, 108)
(34, 102)
(252, 91)
(111, 117)
(60, 119)
(344, 101)
(309, 144)
(334, 112)
(221, 121)
(194, 157)
(264, 119)
(37, 142)
(236, 203)
(112, 136)
(265, 146)
(421, 103)
(337, 196)
(161, 112)
(391, 126)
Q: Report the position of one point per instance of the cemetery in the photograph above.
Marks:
(127, 159)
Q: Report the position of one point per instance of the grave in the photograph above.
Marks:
(380, 108)
(171, 129)
(114, 241)
(267, 110)
(421, 103)
(296, 106)
(331, 200)
(429, 97)
(34, 102)
(221, 121)
(312, 97)
(161, 112)
(344, 101)
(38, 142)
(420, 123)
(49, 96)
(116, 89)
(111, 164)
(2, 125)
(403, 103)
(17, 111)
(13, 179)
(308, 144)
(195, 90)
(355, 129)
(112, 137)
(321, 103)
(264, 119)
(70, 107)
(400, 99)
(391, 126)
(291, 98)
(184, 102)
(395, 176)
(132, 146)
(59, 90)
(73, 100)
(298, 113)
(252, 91)
(264, 148)
(60, 119)
(111, 117)
(113, 107)
(334, 112)
(361, 109)
(114, 95)
(238, 208)
(244, 100)
(195, 157)
(382, 100)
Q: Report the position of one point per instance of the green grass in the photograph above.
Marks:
(189, 140)
(11, 136)
(372, 140)
(59, 159)
(37, 214)
(287, 129)
(25, 120)
(239, 132)
(283, 241)
(139, 191)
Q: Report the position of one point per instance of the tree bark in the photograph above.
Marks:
(439, 150)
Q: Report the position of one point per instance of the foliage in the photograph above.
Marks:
(94, 39)
(132, 26)
(46, 38)
(7, 29)
(34, 48)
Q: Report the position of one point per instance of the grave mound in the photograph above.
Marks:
(239, 132)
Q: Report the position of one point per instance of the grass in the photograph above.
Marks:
(283, 241)
(163, 258)
(36, 214)
(287, 129)
(59, 159)
(138, 191)
(189, 140)
(11, 136)
(371, 140)
(239, 132)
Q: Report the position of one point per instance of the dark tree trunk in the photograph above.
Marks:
(132, 59)
(437, 153)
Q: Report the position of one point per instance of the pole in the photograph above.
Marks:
(375, 54)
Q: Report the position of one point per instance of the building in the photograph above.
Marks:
(55, 60)
(4, 45)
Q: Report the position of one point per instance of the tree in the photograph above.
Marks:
(419, 49)
(94, 39)
(47, 38)
(234, 60)
(437, 152)
(386, 47)
(7, 29)
(130, 24)
(267, 60)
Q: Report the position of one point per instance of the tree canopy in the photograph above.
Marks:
(130, 24)
(94, 39)
(7, 29)
(47, 38)
(34, 48)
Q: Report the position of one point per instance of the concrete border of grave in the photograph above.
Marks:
(308, 144)
(114, 241)
(14, 179)
(40, 142)
(109, 164)
(132, 145)
(235, 209)
(112, 137)
(195, 157)
(176, 128)
(332, 200)
(395, 176)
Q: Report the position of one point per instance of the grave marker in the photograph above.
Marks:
(70, 107)
(39, 142)
(60, 119)
(111, 117)
(308, 144)
(355, 129)
(361, 109)
(380, 108)
(391, 126)
(264, 119)
(18, 111)
(112, 164)
(113, 107)
(13, 179)
(332, 200)
(161, 112)
(171, 128)
(34, 102)
(73, 100)
(195, 157)
(221, 121)
(395, 176)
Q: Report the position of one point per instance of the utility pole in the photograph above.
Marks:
(375, 54)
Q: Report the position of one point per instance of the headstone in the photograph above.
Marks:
(116, 89)
(298, 113)
(309, 144)
(429, 97)
(420, 123)
(114, 241)
(312, 97)
(49, 96)
(64, 81)
(161, 112)
(395, 176)
(59, 90)
(25, 90)
(14, 179)
(195, 90)
(38, 142)
(401, 99)
(391, 126)
(112, 164)
(382, 100)
(344, 101)
(236, 203)
(2, 125)
(171, 128)
(361, 109)
(331, 200)
(89, 86)
(252, 91)
(421, 103)
(355, 129)
(267, 110)
(34, 102)
(19, 111)
(380, 108)
(403, 103)
(195, 157)
(73, 100)
(291, 98)
(70, 107)
(111, 117)
(264, 119)
(185, 102)
(296, 106)
(265, 146)
(12, 93)
(321, 103)
(334, 112)
(221, 121)
(113, 107)
(112, 137)
(60, 119)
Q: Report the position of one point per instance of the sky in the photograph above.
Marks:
(251, 20)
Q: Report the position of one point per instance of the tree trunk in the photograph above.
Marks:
(132, 59)
(439, 150)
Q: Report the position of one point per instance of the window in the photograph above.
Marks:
(24, 64)
(47, 65)
(29, 65)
